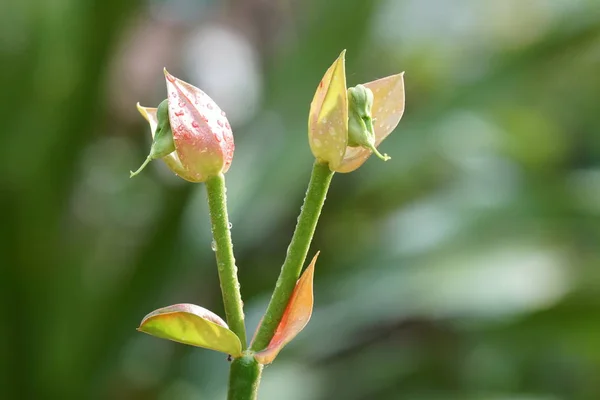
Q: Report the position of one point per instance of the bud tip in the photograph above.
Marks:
(169, 77)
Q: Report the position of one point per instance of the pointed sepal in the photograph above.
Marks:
(162, 139)
(150, 114)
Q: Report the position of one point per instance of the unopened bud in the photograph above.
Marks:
(360, 122)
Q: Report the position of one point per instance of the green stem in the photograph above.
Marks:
(244, 377)
(230, 287)
(296, 255)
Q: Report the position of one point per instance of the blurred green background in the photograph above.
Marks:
(467, 267)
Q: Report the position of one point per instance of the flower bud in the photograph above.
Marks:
(360, 123)
(191, 133)
(345, 126)
(201, 132)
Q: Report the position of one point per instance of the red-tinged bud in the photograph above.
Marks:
(344, 130)
(201, 134)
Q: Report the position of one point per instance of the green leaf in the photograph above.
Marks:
(193, 325)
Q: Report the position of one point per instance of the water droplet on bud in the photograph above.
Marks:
(213, 245)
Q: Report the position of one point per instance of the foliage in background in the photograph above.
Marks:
(476, 247)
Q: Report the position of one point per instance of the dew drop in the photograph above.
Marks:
(220, 123)
(195, 124)
(230, 225)
(182, 103)
(209, 106)
(317, 142)
(213, 245)
(179, 113)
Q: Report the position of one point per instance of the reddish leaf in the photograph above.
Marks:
(295, 317)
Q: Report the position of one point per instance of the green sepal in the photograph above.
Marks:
(360, 123)
(163, 143)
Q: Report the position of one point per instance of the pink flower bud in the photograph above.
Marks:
(201, 133)
(328, 117)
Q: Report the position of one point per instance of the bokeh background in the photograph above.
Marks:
(467, 267)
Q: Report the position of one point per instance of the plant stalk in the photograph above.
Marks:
(296, 254)
(244, 378)
(223, 247)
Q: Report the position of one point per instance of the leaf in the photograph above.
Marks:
(193, 325)
(295, 317)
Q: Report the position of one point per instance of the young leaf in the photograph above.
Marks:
(296, 316)
(193, 325)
